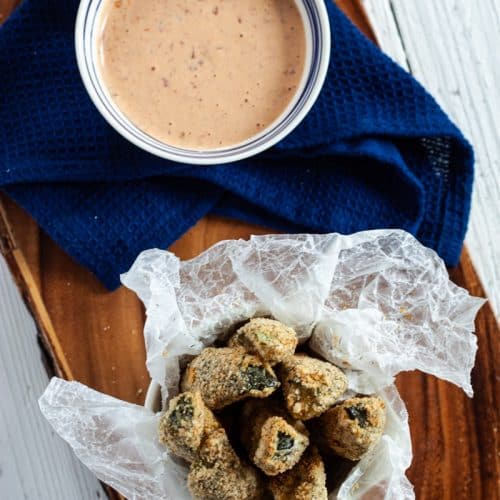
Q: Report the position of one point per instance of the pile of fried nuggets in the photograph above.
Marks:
(258, 359)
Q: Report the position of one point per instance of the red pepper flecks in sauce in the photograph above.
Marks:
(201, 74)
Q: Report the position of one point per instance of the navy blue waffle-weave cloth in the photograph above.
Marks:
(376, 151)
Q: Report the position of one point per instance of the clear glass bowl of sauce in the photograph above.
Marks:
(205, 81)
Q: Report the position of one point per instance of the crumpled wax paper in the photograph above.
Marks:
(375, 303)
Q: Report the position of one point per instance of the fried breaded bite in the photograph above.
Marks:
(306, 481)
(185, 424)
(275, 441)
(310, 386)
(267, 338)
(354, 426)
(226, 375)
(218, 473)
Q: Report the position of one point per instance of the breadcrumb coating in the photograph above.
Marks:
(185, 424)
(226, 375)
(271, 429)
(267, 338)
(310, 386)
(354, 426)
(218, 473)
(275, 441)
(306, 481)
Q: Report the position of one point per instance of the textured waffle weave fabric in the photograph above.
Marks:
(376, 151)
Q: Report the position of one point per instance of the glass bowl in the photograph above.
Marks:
(317, 30)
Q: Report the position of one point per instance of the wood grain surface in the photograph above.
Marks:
(6, 7)
(97, 336)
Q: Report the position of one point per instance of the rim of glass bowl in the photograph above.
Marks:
(317, 27)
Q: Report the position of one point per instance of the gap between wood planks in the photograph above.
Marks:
(451, 46)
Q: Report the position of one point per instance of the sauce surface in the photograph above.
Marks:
(201, 74)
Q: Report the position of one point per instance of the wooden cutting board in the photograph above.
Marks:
(95, 336)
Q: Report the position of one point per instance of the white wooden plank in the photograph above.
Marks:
(34, 462)
(384, 24)
(451, 46)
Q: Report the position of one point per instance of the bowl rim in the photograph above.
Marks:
(206, 157)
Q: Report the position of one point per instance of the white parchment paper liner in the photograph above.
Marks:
(376, 303)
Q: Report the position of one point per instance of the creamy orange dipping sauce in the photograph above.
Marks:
(201, 74)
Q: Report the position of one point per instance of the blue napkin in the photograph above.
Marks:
(376, 151)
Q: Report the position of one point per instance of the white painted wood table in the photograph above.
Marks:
(452, 47)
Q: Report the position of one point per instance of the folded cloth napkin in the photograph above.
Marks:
(376, 151)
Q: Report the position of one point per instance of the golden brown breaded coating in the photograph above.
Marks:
(306, 481)
(226, 375)
(185, 424)
(275, 442)
(310, 386)
(218, 473)
(267, 338)
(211, 423)
(354, 426)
